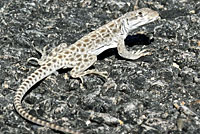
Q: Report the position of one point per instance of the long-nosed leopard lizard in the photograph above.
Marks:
(82, 54)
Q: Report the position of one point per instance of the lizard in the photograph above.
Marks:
(82, 54)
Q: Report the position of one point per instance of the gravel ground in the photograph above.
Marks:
(155, 94)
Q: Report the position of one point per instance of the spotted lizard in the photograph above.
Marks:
(82, 54)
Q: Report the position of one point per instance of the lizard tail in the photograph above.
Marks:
(35, 77)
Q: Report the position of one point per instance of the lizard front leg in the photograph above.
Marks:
(133, 55)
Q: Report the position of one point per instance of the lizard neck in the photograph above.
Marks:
(124, 27)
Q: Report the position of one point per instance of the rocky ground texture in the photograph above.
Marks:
(155, 94)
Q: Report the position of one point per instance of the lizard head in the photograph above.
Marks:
(139, 17)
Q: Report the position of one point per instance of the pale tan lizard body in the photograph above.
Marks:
(82, 54)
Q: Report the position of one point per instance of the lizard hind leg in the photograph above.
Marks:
(45, 58)
(81, 67)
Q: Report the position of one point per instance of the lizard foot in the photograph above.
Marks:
(140, 53)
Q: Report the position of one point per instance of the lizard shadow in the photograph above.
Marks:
(138, 39)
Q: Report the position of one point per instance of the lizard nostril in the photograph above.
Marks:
(140, 14)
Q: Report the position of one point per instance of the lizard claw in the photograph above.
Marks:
(143, 52)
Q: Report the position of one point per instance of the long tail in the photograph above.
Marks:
(35, 77)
